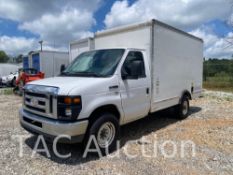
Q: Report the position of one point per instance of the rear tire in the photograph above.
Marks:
(182, 110)
(105, 130)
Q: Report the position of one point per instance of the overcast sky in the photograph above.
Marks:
(24, 22)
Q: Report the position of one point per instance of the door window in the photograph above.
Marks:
(133, 66)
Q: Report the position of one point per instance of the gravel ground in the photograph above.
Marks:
(209, 129)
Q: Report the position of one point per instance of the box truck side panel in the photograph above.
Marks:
(79, 47)
(59, 59)
(6, 69)
(36, 61)
(76, 49)
(177, 66)
(51, 62)
(25, 62)
(139, 38)
(47, 63)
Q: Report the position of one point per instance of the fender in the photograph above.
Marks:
(187, 93)
(93, 102)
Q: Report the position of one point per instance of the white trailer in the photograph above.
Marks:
(80, 46)
(48, 62)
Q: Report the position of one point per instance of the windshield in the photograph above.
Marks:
(95, 63)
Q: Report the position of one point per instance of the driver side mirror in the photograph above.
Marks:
(62, 68)
(132, 69)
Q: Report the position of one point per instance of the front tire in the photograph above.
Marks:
(105, 131)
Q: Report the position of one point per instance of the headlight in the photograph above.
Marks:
(69, 107)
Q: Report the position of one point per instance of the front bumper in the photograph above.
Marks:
(51, 128)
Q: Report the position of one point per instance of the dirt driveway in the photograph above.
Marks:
(154, 144)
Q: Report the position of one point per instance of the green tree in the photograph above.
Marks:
(19, 58)
(3, 57)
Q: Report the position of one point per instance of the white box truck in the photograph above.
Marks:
(132, 72)
(46, 61)
(80, 46)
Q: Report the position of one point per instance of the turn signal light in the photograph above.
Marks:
(76, 100)
(69, 100)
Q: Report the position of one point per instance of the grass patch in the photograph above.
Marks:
(219, 83)
(6, 91)
(211, 86)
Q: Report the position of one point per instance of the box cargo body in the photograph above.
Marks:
(6, 69)
(80, 46)
(48, 62)
(175, 58)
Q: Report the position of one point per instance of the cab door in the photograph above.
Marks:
(135, 86)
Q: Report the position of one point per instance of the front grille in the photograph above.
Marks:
(36, 109)
(41, 104)
(36, 94)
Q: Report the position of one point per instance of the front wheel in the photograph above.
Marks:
(103, 133)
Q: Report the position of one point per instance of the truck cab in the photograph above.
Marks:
(99, 91)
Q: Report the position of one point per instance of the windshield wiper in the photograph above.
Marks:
(89, 74)
(65, 73)
(85, 73)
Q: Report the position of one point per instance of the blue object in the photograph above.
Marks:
(25, 62)
(36, 61)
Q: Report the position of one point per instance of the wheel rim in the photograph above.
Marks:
(185, 107)
(106, 134)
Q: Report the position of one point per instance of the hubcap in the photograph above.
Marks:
(106, 134)
(185, 107)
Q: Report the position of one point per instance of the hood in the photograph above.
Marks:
(78, 85)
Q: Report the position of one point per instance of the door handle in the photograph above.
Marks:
(147, 90)
(113, 87)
